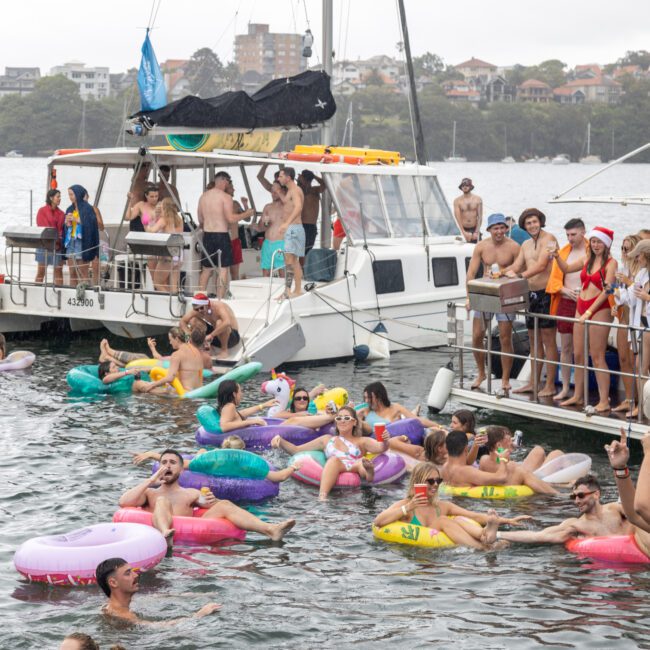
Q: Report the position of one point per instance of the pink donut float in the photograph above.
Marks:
(617, 549)
(195, 530)
(389, 468)
(71, 559)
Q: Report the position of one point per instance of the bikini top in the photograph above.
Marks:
(596, 278)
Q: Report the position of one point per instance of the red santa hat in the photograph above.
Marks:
(200, 299)
(604, 234)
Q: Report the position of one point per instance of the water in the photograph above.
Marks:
(67, 461)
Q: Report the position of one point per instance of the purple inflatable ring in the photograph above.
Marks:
(232, 489)
(412, 428)
(258, 437)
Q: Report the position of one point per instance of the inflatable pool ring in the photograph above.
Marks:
(400, 532)
(84, 380)
(234, 463)
(18, 360)
(258, 437)
(487, 491)
(412, 428)
(194, 530)
(232, 489)
(210, 420)
(239, 374)
(389, 468)
(157, 373)
(565, 468)
(337, 395)
(617, 549)
(410, 461)
(71, 559)
(161, 363)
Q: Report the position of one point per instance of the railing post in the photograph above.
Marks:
(585, 388)
(639, 406)
(535, 356)
(488, 322)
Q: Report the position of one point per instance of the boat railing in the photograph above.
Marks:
(456, 338)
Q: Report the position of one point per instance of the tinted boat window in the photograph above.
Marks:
(445, 271)
(389, 277)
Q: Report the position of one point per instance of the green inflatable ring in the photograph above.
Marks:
(84, 380)
(239, 374)
(233, 463)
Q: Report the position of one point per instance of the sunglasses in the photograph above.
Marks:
(433, 481)
(343, 418)
(580, 495)
(301, 398)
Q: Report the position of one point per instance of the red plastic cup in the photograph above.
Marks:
(2, 278)
(421, 489)
(379, 428)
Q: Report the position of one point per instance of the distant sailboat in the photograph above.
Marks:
(454, 158)
(506, 159)
(561, 159)
(590, 159)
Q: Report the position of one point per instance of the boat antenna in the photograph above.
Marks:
(420, 151)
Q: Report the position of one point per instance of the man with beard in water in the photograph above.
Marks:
(170, 500)
(595, 520)
(120, 582)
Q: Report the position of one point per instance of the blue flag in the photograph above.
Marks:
(150, 79)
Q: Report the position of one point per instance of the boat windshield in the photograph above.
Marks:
(390, 205)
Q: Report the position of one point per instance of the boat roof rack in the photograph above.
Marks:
(149, 243)
(30, 236)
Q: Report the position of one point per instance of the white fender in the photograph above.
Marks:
(526, 372)
(440, 389)
(565, 468)
(379, 348)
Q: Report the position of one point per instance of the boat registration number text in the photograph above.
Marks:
(81, 302)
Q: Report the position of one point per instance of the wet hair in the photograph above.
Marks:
(378, 390)
(50, 195)
(531, 212)
(357, 431)
(86, 642)
(226, 393)
(197, 336)
(173, 452)
(456, 442)
(419, 475)
(466, 418)
(233, 442)
(574, 223)
(149, 189)
(103, 369)
(105, 570)
(589, 481)
(495, 435)
(178, 333)
(307, 175)
(300, 389)
(431, 444)
(290, 172)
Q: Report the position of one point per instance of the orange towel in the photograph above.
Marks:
(556, 279)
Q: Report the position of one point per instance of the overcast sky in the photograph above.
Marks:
(46, 33)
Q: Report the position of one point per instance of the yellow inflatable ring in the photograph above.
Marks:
(337, 395)
(143, 363)
(401, 533)
(487, 491)
(158, 373)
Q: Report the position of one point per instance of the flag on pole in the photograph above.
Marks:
(150, 79)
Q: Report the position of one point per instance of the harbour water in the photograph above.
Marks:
(66, 461)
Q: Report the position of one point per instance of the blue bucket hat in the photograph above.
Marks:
(494, 219)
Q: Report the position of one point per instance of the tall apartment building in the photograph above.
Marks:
(271, 55)
(92, 82)
(19, 81)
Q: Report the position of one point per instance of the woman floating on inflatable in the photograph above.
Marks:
(344, 451)
(425, 510)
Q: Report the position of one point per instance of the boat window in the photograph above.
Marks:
(437, 214)
(402, 205)
(445, 271)
(388, 275)
(357, 200)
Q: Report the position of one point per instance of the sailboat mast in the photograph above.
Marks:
(453, 140)
(326, 129)
(420, 152)
(588, 138)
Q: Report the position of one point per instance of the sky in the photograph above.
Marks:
(505, 32)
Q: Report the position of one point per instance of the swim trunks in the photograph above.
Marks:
(566, 308)
(487, 315)
(213, 242)
(233, 339)
(237, 255)
(294, 240)
(539, 303)
(268, 248)
(310, 236)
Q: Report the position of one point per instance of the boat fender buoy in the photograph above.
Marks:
(440, 389)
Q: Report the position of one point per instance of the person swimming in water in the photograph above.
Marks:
(344, 451)
(231, 418)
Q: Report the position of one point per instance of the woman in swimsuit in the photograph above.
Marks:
(299, 415)
(344, 451)
(228, 399)
(597, 274)
(142, 217)
(381, 410)
(428, 511)
(167, 271)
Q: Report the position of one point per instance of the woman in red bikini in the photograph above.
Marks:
(597, 274)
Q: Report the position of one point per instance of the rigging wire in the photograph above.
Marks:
(153, 22)
(347, 30)
(293, 16)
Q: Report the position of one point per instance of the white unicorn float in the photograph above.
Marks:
(280, 387)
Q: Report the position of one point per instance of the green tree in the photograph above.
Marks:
(638, 57)
(428, 65)
(205, 72)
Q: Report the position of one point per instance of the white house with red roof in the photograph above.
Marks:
(534, 91)
(592, 90)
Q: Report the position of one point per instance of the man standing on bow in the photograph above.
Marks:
(468, 212)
